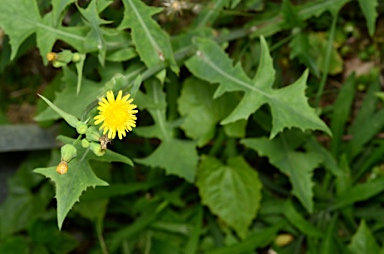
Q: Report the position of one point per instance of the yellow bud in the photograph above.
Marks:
(68, 152)
(81, 127)
(62, 168)
(283, 239)
(51, 56)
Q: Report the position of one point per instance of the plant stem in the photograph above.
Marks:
(327, 60)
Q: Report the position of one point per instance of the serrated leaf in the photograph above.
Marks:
(79, 177)
(209, 14)
(289, 105)
(200, 111)
(290, 15)
(368, 7)
(58, 6)
(152, 43)
(177, 157)
(298, 166)
(363, 241)
(228, 189)
(95, 39)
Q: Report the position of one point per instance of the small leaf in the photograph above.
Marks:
(368, 7)
(70, 119)
(79, 69)
(298, 166)
(227, 188)
(177, 157)
(289, 105)
(152, 43)
(363, 241)
(79, 177)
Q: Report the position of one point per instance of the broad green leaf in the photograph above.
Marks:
(363, 241)
(79, 177)
(298, 166)
(368, 7)
(200, 111)
(289, 105)
(290, 15)
(341, 110)
(232, 191)
(177, 157)
(301, 49)
(23, 203)
(152, 43)
(298, 221)
(95, 39)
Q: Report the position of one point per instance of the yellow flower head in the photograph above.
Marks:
(117, 115)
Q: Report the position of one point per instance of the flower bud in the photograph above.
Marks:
(283, 239)
(81, 127)
(62, 168)
(51, 56)
(92, 134)
(76, 57)
(85, 143)
(96, 149)
(68, 152)
(58, 64)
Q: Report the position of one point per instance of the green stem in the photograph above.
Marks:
(327, 60)
(218, 143)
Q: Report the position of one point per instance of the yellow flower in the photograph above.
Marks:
(117, 115)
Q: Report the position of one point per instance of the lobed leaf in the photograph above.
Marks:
(228, 189)
(289, 105)
(298, 166)
(363, 241)
(152, 43)
(79, 177)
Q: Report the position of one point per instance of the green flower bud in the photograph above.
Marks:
(81, 127)
(58, 64)
(283, 239)
(92, 134)
(65, 56)
(96, 149)
(85, 143)
(68, 152)
(76, 57)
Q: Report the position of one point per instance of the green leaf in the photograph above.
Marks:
(152, 43)
(290, 15)
(359, 192)
(341, 111)
(79, 177)
(289, 105)
(200, 111)
(177, 157)
(368, 7)
(298, 166)
(14, 244)
(209, 14)
(329, 245)
(298, 221)
(24, 202)
(363, 241)
(227, 188)
(95, 39)
(301, 49)
(58, 6)
(70, 119)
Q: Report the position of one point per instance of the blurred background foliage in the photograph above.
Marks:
(145, 210)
